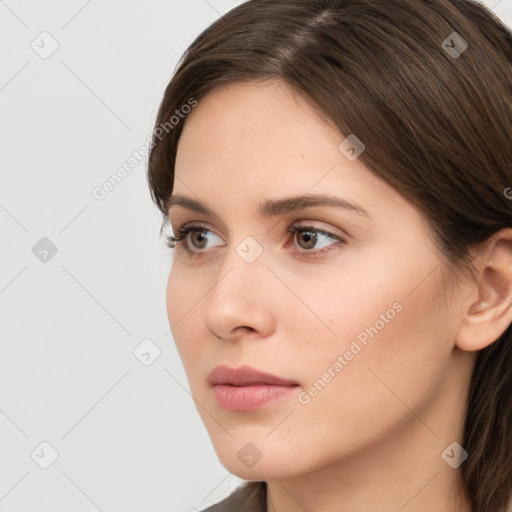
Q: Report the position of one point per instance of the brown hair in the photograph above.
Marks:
(436, 126)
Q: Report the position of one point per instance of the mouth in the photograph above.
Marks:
(247, 389)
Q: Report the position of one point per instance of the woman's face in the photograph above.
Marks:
(352, 309)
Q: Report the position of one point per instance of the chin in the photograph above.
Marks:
(270, 464)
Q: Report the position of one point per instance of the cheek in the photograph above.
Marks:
(174, 290)
(394, 345)
(388, 323)
(184, 313)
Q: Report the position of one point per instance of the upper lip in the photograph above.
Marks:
(245, 376)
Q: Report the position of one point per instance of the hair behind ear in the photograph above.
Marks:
(488, 429)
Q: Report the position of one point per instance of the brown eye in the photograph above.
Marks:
(198, 239)
(313, 242)
(196, 243)
(309, 239)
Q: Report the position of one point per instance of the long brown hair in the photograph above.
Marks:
(426, 85)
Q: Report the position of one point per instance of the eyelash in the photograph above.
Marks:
(182, 233)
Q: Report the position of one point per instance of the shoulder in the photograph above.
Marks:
(248, 497)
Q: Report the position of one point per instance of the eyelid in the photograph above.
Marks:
(199, 225)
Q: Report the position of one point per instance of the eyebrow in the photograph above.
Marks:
(274, 207)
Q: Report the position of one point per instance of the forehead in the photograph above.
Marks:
(258, 130)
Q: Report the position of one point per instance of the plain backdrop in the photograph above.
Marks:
(95, 411)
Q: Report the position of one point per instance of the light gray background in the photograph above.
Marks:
(126, 430)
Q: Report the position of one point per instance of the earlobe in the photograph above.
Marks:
(487, 317)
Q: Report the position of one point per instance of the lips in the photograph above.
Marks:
(246, 389)
(245, 376)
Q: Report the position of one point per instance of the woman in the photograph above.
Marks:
(338, 179)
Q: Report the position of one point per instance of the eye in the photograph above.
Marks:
(309, 239)
(199, 235)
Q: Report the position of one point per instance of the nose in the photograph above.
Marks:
(240, 300)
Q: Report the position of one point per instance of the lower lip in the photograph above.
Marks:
(249, 398)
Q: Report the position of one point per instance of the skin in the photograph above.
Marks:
(372, 438)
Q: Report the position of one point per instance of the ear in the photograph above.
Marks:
(488, 311)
